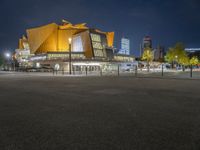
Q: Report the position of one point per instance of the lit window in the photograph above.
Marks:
(77, 45)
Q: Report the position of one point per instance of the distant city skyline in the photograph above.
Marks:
(167, 22)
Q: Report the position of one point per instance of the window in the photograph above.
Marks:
(97, 45)
(77, 45)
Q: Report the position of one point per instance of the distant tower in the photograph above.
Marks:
(146, 43)
(159, 53)
(125, 46)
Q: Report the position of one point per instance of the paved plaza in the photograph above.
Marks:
(43, 112)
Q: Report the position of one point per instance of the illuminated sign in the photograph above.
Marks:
(97, 45)
(66, 56)
(192, 49)
(38, 58)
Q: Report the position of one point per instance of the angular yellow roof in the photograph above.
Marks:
(37, 36)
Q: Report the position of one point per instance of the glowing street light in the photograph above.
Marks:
(70, 40)
(176, 61)
(7, 55)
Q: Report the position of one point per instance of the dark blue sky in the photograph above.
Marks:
(166, 21)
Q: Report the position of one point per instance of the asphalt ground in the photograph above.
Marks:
(98, 113)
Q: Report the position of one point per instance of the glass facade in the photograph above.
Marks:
(125, 46)
(77, 45)
(97, 45)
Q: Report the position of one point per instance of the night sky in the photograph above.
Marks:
(166, 21)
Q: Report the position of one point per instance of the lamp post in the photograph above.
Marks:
(70, 56)
(7, 56)
(13, 59)
(176, 61)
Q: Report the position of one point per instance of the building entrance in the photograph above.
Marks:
(83, 68)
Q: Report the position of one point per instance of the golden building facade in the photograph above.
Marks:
(54, 38)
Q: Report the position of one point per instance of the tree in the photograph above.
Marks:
(170, 56)
(147, 56)
(194, 61)
(184, 61)
(177, 54)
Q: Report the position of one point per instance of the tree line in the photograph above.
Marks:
(175, 55)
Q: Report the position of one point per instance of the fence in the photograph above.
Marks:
(190, 72)
(135, 72)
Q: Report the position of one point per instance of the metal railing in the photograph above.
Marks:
(190, 72)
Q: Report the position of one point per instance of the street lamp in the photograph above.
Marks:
(70, 56)
(14, 58)
(7, 55)
(176, 61)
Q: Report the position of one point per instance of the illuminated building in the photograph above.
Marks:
(23, 52)
(125, 46)
(146, 43)
(193, 52)
(159, 53)
(54, 38)
(49, 44)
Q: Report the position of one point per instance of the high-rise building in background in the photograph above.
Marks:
(159, 53)
(193, 52)
(146, 43)
(125, 46)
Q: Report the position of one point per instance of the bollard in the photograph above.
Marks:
(73, 70)
(118, 70)
(100, 71)
(162, 70)
(63, 71)
(191, 71)
(136, 68)
(86, 70)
